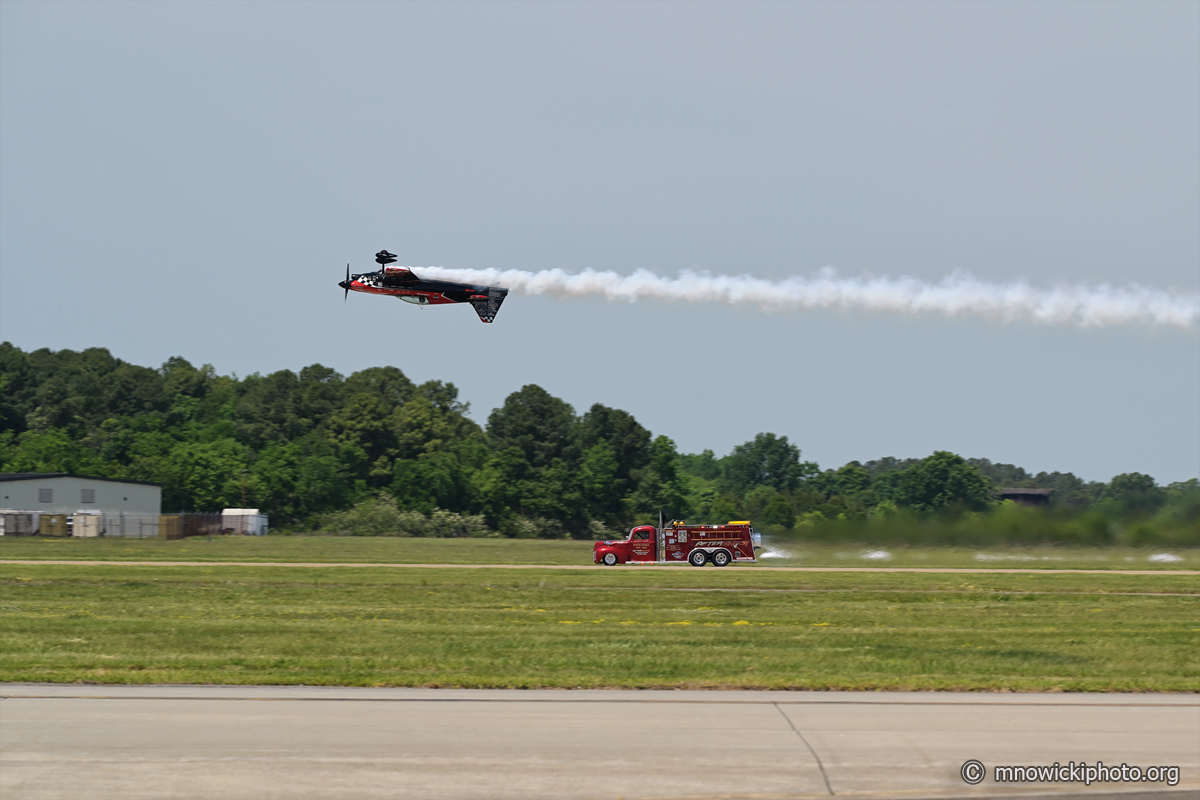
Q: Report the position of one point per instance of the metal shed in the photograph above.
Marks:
(1026, 497)
(64, 493)
(244, 521)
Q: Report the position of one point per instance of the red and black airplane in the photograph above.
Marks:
(400, 282)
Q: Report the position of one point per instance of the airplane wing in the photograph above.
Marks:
(486, 309)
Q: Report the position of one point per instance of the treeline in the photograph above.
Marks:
(374, 452)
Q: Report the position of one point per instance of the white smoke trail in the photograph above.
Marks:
(958, 294)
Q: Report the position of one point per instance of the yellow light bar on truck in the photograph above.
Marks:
(739, 522)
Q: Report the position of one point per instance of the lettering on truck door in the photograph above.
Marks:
(642, 546)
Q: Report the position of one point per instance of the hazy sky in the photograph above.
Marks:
(191, 178)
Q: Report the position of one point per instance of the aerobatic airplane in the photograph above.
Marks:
(400, 282)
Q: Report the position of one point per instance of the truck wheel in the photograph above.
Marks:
(610, 559)
(698, 558)
(720, 558)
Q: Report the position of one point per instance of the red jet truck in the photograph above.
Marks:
(677, 541)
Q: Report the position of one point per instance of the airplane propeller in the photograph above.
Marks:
(346, 283)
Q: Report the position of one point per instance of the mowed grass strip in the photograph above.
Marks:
(304, 549)
(608, 628)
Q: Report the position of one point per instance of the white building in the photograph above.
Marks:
(62, 493)
(246, 521)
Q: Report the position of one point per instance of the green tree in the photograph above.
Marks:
(364, 431)
(441, 479)
(768, 460)
(659, 485)
(1069, 491)
(181, 378)
(539, 424)
(499, 484)
(943, 481)
(556, 495)
(629, 441)
(724, 508)
(391, 386)
(1002, 475)
(319, 392)
(702, 465)
(847, 480)
(423, 428)
(204, 476)
(1138, 493)
(322, 482)
(600, 484)
(273, 481)
(54, 451)
(15, 380)
(779, 511)
(266, 410)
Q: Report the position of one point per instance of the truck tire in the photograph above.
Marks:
(610, 559)
(720, 558)
(698, 558)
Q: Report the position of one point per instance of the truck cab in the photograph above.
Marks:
(640, 545)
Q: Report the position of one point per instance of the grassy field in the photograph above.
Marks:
(629, 627)
(310, 549)
(378, 550)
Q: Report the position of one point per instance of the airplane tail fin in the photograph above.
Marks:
(486, 309)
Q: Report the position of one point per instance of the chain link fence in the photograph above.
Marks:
(110, 524)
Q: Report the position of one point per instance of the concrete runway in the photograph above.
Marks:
(73, 741)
